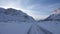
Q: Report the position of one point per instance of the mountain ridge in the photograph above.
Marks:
(11, 14)
(55, 16)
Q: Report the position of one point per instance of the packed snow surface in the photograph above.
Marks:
(22, 28)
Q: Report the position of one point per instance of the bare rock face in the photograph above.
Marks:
(11, 14)
(55, 16)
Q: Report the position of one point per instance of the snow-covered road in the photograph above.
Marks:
(22, 28)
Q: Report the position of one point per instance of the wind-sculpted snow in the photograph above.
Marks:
(22, 28)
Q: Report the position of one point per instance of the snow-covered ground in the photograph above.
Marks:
(52, 26)
(14, 28)
(21, 28)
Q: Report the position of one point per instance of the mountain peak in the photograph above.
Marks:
(10, 9)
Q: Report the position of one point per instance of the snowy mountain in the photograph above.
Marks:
(55, 15)
(11, 14)
(52, 23)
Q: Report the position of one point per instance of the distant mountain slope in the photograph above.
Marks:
(55, 15)
(11, 14)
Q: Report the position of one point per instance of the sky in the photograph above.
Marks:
(38, 9)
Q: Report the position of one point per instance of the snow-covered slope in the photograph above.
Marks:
(52, 26)
(14, 15)
(55, 15)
